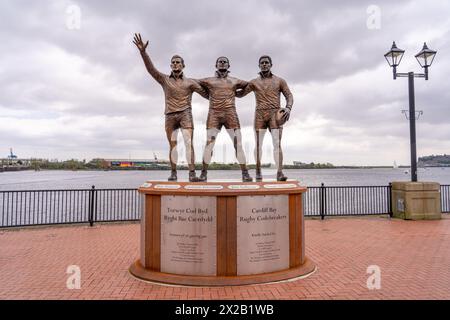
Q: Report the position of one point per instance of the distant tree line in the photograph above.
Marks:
(72, 164)
(222, 166)
(434, 160)
(311, 165)
(101, 164)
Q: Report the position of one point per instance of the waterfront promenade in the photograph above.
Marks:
(413, 256)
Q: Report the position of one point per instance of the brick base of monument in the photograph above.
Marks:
(222, 233)
(307, 268)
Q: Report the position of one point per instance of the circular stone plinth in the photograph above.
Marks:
(137, 270)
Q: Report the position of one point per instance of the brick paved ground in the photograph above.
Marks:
(414, 257)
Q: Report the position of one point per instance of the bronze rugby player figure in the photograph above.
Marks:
(268, 113)
(178, 111)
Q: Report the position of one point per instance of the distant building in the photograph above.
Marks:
(13, 161)
(136, 163)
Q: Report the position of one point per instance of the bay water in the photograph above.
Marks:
(60, 179)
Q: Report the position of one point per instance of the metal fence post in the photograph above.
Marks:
(91, 206)
(322, 201)
(390, 199)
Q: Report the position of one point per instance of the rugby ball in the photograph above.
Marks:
(279, 117)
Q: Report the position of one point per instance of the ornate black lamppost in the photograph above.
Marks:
(425, 59)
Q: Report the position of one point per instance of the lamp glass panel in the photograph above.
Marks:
(397, 57)
(425, 59)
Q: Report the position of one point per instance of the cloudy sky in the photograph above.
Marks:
(72, 84)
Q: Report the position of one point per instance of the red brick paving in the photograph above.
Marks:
(414, 257)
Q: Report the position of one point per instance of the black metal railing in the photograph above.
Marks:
(445, 198)
(37, 207)
(116, 205)
(340, 201)
(41, 207)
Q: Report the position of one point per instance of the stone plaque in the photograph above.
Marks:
(262, 234)
(280, 186)
(167, 186)
(188, 235)
(203, 187)
(243, 187)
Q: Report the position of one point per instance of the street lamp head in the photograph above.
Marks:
(426, 56)
(394, 56)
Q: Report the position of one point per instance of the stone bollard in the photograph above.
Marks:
(416, 200)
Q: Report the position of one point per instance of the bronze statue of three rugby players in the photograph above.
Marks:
(221, 90)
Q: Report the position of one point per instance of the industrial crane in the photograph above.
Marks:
(11, 154)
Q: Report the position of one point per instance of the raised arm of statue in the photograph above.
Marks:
(245, 91)
(158, 76)
(200, 89)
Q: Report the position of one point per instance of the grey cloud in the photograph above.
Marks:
(313, 45)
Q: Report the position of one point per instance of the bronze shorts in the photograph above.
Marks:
(266, 118)
(180, 119)
(226, 117)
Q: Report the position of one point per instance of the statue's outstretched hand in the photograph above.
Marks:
(139, 43)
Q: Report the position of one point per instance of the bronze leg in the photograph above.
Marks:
(188, 136)
(173, 154)
(277, 152)
(236, 137)
(211, 135)
(259, 135)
